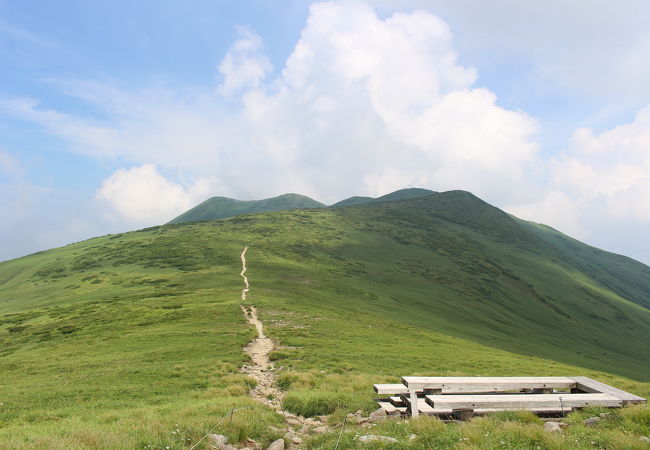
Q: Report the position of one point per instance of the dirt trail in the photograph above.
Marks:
(261, 368)
(263, 371)
(243, 275)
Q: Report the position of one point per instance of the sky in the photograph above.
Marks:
(118, 115)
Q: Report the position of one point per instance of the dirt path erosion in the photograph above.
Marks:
(259, 349)
(263, 371)
(243, 274)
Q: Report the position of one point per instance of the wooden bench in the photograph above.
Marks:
(482, 395)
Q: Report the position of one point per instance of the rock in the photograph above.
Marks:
(218, 440)
(553, 427)
(412, 437)
(374, 438)
(276, 445)
(590, 422)
(293, 438)
(604, 415)
(377, 416)
(367, 425)
(359, 413)
(294, 421)
(320, 430)
(645, 439)
(323, 418)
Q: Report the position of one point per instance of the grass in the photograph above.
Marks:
(135, 340)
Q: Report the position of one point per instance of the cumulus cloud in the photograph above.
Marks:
(363, 105)
(141, 195)
(600, 185)
(245, 65)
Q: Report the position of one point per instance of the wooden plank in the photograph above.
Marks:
(390, 389)
(413, 400)
(487, 384)
(590, 385)
(522, 401)
(397, 401)
(391, 409)
(483, 411)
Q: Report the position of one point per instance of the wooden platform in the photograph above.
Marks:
(483, 395)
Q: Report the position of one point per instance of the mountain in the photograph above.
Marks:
(136, 339)
(402, 194)
(222, 207)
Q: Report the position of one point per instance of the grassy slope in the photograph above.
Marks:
(628, 278)
(223, 207)
(122, 340)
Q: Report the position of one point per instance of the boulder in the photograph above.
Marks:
(374, 438)
(590, 422)
(554, 427)
(218, 440)
(276, 445)
(377, 416)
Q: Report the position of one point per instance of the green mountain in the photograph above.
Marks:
(223, 207)
(136, 339)
(402, 194)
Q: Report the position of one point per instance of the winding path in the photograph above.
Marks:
(263, 371)
(259, 349)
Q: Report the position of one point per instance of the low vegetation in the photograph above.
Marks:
(135, 340)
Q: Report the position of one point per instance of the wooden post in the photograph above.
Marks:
(413, 397)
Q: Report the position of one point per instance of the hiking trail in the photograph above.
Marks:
(263, 371)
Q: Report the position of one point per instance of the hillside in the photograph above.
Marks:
(223, 207)
(136, 339)
(402, 194)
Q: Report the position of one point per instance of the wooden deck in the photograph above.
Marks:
(483, 395)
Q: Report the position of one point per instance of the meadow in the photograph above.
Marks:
(135, 340)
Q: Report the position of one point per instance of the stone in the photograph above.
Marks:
(604, 415)
(294, 422)
(367, 425)
(645, 439)
(590, 422)
(554, 427)
(293, 438)
(218, 440)
(359, 413)
(276, 445)
(413, 437)
(377, 416)
(320, 430)
(375, 438)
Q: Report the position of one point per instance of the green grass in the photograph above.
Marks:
(135, 340)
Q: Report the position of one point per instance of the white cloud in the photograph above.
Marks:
(600, 186)
(588, 46)
(245, 65)
(141, 195)
(361, 100)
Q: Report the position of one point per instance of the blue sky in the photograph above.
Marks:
(118, 115)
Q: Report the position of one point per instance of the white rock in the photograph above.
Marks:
(377, 416)
(553, 427)
(276, 445)
(645, 439)
(218, 440)
(374, 438)
(412, 437)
